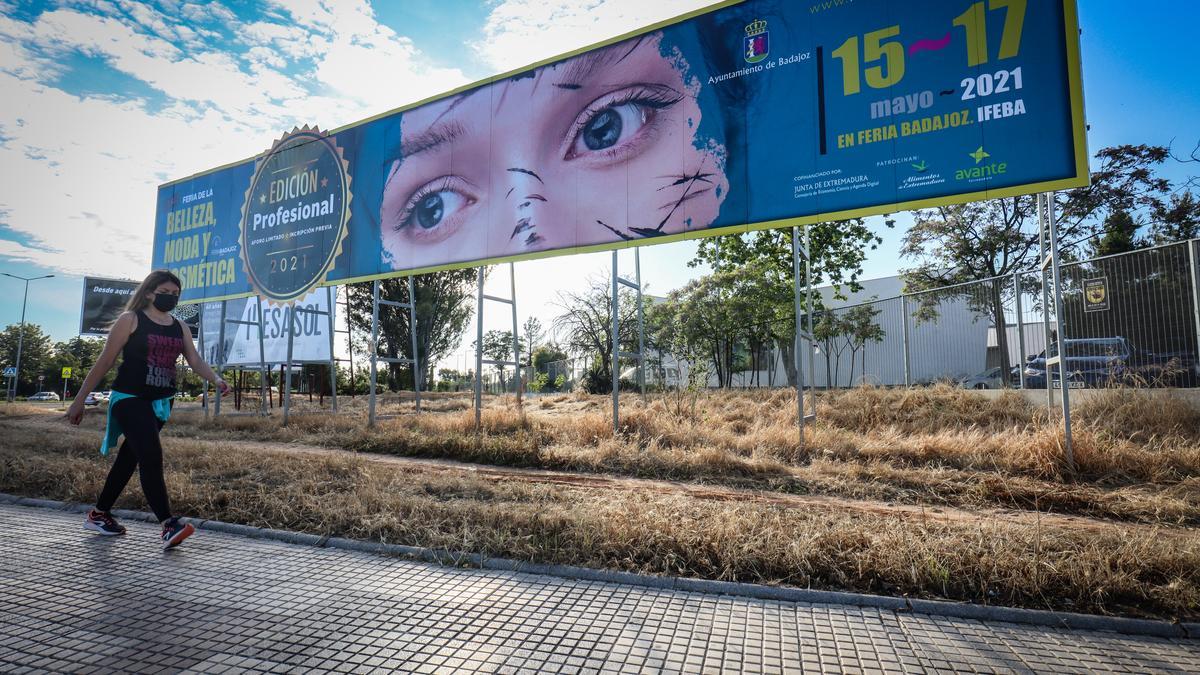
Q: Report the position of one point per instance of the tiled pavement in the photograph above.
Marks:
(76, 602)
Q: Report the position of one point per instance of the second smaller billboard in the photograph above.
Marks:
(240, 346)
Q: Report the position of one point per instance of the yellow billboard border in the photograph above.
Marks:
(1078, 133)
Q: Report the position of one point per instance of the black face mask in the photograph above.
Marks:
(165, 302)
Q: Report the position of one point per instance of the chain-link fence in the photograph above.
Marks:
(1127, 318)
(1131, 318)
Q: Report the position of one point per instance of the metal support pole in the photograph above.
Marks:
(262, 360)
(1042, 249)
(479, 352)
(373, 351)
(16, 380)
(616, 347)
(1062, 342)
(203, 382)
(220, 355)
(904, 340)
(331, 301)
(808, 303)
(637, 264)
(350, 344)
(796, 357)
(287, 376)
(512, 294)
(1194, 260)
(1020, 332)
(412, 331)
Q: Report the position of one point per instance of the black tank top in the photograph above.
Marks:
(147, 367)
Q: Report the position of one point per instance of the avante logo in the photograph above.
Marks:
(981, 171)
(756, 45)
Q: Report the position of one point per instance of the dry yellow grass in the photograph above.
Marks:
(1133, 571)
(939, 445)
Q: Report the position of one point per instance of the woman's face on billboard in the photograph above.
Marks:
(599, 148)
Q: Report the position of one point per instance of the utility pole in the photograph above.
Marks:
(12, 391)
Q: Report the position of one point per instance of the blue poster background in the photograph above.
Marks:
(716, 144)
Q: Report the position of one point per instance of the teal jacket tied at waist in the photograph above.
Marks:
(112, 431)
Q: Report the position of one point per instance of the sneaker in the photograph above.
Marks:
(174, 532)
(103, 523)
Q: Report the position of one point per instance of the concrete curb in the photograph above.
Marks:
(1064, 620)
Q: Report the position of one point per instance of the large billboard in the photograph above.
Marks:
(746, 115)
(238, 345)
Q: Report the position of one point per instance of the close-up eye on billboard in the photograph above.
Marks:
(744, 116)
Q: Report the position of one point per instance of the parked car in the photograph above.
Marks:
(1099, 362)
(94, 398)
(988, 379)
(44, 396)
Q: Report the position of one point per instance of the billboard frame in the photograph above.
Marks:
(1078, 134)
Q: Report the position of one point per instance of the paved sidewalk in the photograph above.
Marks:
(76, 602)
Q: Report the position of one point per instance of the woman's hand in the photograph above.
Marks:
(222, 386)
(75, 411)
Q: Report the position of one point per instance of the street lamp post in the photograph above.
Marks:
(12, 390)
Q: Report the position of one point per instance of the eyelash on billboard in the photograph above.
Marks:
(432, 187)
(653, 96)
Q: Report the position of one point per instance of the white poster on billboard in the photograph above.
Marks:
(241, 346)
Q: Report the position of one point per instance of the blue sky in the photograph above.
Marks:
(102, 100)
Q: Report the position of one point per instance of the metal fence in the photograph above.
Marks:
(1127, 317)
(1132, 317)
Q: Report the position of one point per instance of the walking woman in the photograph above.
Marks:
(150, 341)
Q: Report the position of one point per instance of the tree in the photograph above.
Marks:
(712, 318)
(443, 310)
(1119, 235)
(585, 327)
(532, 334)
(79, 354)
(35, 354)
(962, 243)
(829, 331)
(498, 346)
(1176, 220)
(861, 328)
(839, 249)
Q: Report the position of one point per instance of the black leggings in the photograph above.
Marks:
(142, 450)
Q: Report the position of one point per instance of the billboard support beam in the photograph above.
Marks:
(617, 354)
(1020, 333)
(220, 355)
(373, 346)
(287, 376)
(517, 374)
(797, 357)
(330, 300)
(904, 340)
(262, 362)
(373, 350)
(479, 350)
(479, 360)
(203, 382)
(1062, 342)
(412, 332)
(1041, 219)
(808, 292)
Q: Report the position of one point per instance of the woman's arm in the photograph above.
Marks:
(197, 363)
(118, 335)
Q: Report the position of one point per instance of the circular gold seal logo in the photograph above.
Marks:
(296, 214)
